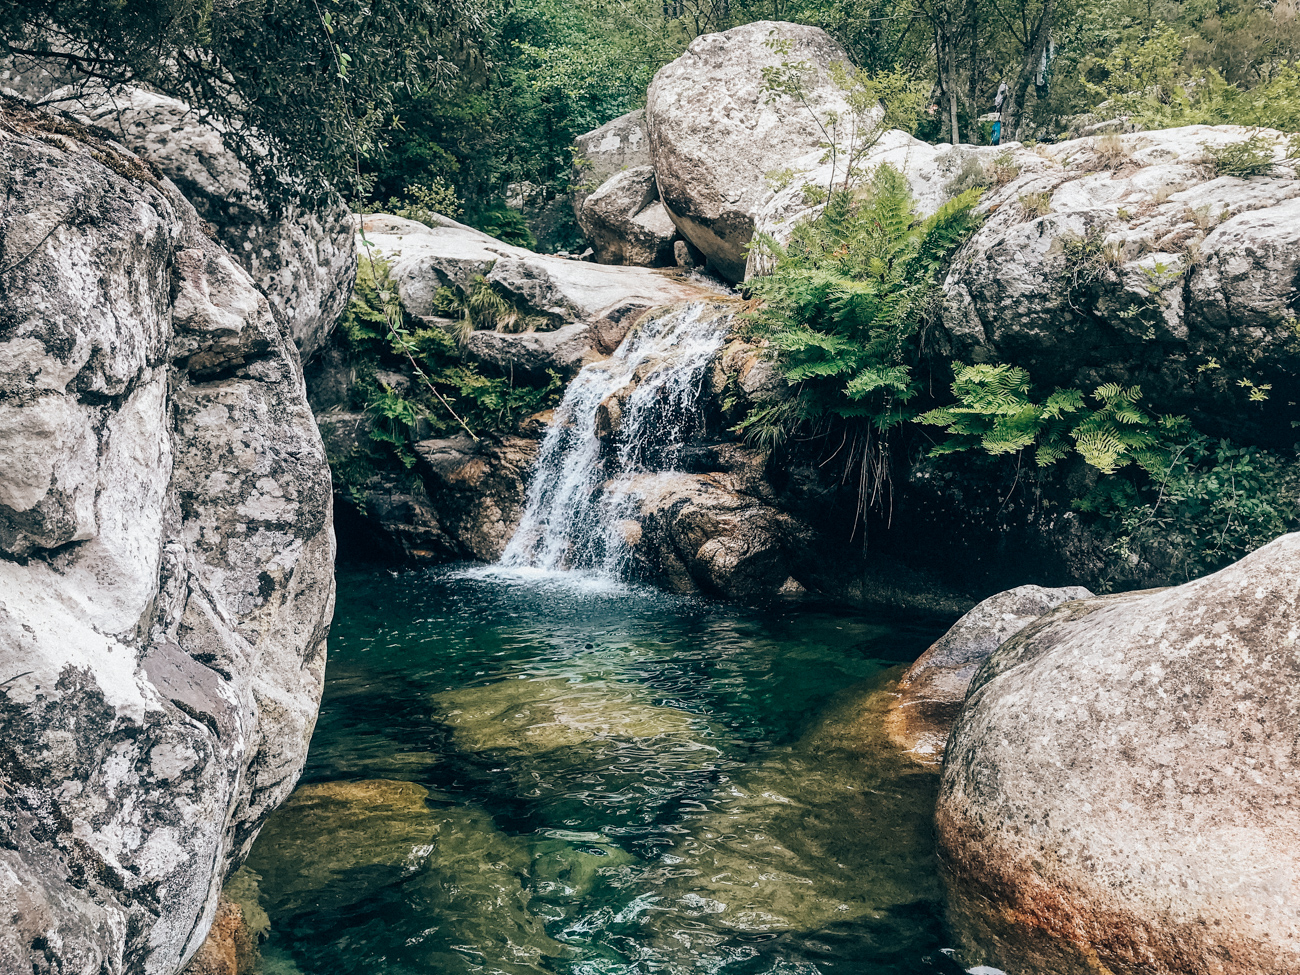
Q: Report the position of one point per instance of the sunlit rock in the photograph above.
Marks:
(1119, 792)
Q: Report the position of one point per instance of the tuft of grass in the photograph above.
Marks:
(1035, 205)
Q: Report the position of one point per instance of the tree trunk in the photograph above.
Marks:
(1014, 106)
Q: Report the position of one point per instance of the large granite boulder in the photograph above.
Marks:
(929, 695)
(1115, 258)
(1128, 260)
(625, 222)
(1119, 792)
(552, 293)
(719, 140)
(302, 259)
(601, 153)
(166, 560)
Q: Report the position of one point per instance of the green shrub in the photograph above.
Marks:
(995, 412)
(448, 392)
(1253, 157)
(1213, 504)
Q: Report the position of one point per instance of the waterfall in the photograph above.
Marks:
(582, 486)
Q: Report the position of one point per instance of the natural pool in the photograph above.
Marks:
(527, 773)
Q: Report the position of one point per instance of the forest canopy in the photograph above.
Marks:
(453, 101)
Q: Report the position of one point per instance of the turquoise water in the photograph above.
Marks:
(523, 774)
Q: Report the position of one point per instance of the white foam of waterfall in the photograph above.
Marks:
(581, 489)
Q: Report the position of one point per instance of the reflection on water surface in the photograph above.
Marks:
(521, 773)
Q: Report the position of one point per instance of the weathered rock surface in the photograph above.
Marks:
(700, 532)
(1148, 269)
(302, 260)
(617, 145)
(167, 574)
(1118, 258)
(478, 491)
(555, 291)
(625, 222)
(1119, 792)
(718, 139)
(930, 693)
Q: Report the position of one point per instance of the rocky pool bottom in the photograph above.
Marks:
(524, 773)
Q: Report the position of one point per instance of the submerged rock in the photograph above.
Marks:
(533, 717)
(931, 692)
(1119, 790)
(166, 584)
(830, 831)
(344, 865)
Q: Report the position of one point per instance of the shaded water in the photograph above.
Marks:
(649, 388)
(526, 773)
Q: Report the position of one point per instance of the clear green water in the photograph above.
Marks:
(520, 775)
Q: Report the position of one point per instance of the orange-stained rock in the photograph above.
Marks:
(1120, 790)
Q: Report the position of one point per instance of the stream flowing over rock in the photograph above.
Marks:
(1119, 793)
(166, 582)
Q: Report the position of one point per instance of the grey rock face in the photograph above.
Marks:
(931, 692)
(303, 261)
(703, 533)
(1147, 270)
(625, 222)
(1119, 790)
(569, 296)
(601, 153)
(167, 576)
(719, 141)
(478, 489)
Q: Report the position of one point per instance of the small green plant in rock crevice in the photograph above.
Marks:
(1253, 157)
(441, 392)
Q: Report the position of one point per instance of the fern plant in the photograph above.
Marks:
(847, 298)
(843, 310)
(995, 412)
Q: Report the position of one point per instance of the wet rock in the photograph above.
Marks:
(167, 580)
(302, 260)
(478, 490)
(717, 140)
(699, 533)
(930, 693)
(230, 948)
(1119, 790)
(346, 856)
(626, 223)
(614, 147)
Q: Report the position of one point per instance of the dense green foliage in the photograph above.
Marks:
(845, 310)
(301, 88)
(845, 303)
(446, 394)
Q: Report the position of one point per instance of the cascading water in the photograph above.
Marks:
(581, 490)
